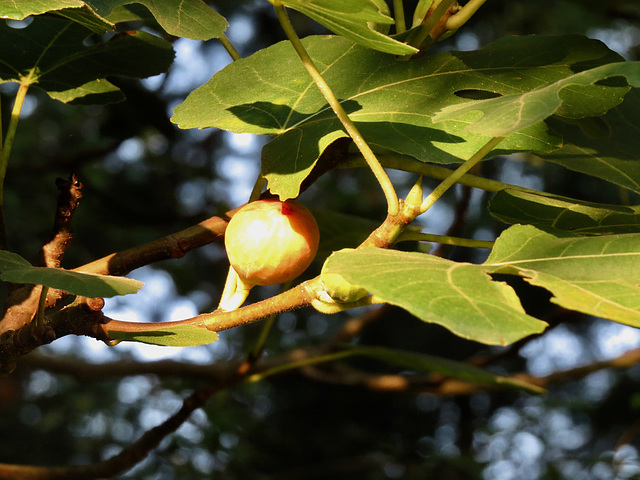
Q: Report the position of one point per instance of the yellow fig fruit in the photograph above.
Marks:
(270, 242)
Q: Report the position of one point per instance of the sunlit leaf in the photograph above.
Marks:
(596, 275)
(576, 96)
(184, 18)
(97, 91)
(393, 103)
(599, 276)
(15, 269)
(19, 10)
(169, 336)
(459, 296)
(354, 19)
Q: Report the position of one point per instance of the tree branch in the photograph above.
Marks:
(296, 297)
(175, 245)
(81, 318)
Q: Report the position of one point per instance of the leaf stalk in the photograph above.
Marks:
(11, 133)
(454, 22)
(398, 12)
(458, 173)
(228, 46)
(408, 236)
(349, 126)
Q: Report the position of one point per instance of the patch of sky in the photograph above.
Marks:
(558, 349)
(622, 38)
(613, 339)
(518, 172)
(241, 31)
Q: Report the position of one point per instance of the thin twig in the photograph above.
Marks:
(62, 234)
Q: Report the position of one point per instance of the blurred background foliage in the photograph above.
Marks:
(144, 178)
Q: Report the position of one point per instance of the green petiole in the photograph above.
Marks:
(11, 133)
(398, 12)
(407, 236)
(347, 123)
(458, 173)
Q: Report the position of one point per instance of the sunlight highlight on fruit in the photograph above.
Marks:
(268, 242)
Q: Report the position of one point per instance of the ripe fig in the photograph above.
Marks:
(268, 242)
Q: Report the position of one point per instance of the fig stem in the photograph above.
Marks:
(336, 106)
(235, 292)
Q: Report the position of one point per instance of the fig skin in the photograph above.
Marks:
(270, 242)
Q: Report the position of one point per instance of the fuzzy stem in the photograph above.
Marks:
(349, 126)
(406, 164)
(458, 173)
(231, 50)
(11, 133)
(398, 12)
(407, 236)
(257, 188)
(464, 14)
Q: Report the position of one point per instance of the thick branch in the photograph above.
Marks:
(82, 318)
(175, 245)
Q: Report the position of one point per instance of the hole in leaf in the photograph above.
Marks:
(475, 94)
(615, 81)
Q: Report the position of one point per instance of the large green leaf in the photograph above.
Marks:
(50, 53)
(605, 147)
(184, 18)
(15, 269)
(598, 276)
(576, 96)
(354, 19)
(391, 102)
(553, 211)
(19, 10)
(458, 296)
(169, 336)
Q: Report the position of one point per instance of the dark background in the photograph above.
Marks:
(144, 178)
